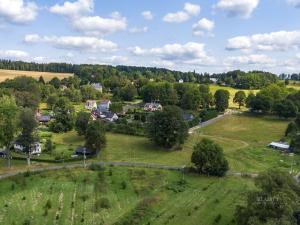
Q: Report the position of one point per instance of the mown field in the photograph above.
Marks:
(244, 139)
(11, 74)
(120, 196)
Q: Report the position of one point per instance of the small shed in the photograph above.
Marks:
(80, 151)
(280, 146)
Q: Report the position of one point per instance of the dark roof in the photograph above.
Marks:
(80, 150)
(188, 117)
(108, 114)
(44, 118)
(96, 85)
(104, 102)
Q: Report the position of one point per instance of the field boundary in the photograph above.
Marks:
(121, 164)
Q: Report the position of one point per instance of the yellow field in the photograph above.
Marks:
(10, 74)
(232, 91)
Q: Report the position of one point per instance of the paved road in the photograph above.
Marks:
(209, 122)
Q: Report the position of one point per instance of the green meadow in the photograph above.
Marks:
(114, 195)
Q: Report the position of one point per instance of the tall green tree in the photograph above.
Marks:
(285, 108)
(276, 201)
(222, 100)
(82, 121)
(166, 128)
(95, 138)
(209, 159)
(240, 98)
(64, 116)
(8, 123)
(28, 124)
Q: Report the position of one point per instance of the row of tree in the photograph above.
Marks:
(275, 98)
(246, 80)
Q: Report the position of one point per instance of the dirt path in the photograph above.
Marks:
(102, 163)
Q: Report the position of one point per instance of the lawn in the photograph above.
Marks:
(232, 91)
(114, 195)
(243, 137)
(11, 74)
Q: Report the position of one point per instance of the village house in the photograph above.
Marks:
(104, 106)
(110, 116)
(152, 107)
(97, 86)
(180, 81)
(42, 118)
(35, 148)
(213, 80)
(91, 104)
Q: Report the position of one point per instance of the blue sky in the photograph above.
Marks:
(202, 35)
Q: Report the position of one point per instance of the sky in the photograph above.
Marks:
(201, 35)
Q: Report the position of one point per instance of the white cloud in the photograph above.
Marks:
(39, 59)
(137, 51)
(73, 9)
(192, 9)
(275, 41)
(18, 11)
(241, 8)
(81, 43)
(13, 54)
(138, 30)
(147, 15)
(241, 42)
(250, 60)
(98, 26)
(202, 26)
(182, 16)
(76, 12)
(190, 53)
(295, 3)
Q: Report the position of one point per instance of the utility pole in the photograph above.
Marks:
(292, 162)
(84, 157)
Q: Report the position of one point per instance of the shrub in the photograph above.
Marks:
(218, 218)
(123, 185)
(26, 222)
(102, 203)
(48, 204)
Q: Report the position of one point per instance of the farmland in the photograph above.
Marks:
(119, 196)
(10, 74)
(243, 141)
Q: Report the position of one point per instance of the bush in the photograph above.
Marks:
(218, 218)
(208, 115)
(96, 167)
(48, 204)
(102, 203)
(26, 222)
(123, 185)
(48, 146)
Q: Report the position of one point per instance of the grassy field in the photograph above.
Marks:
(116, 195)
(243, 137)
(232, 91)
(11, 74)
